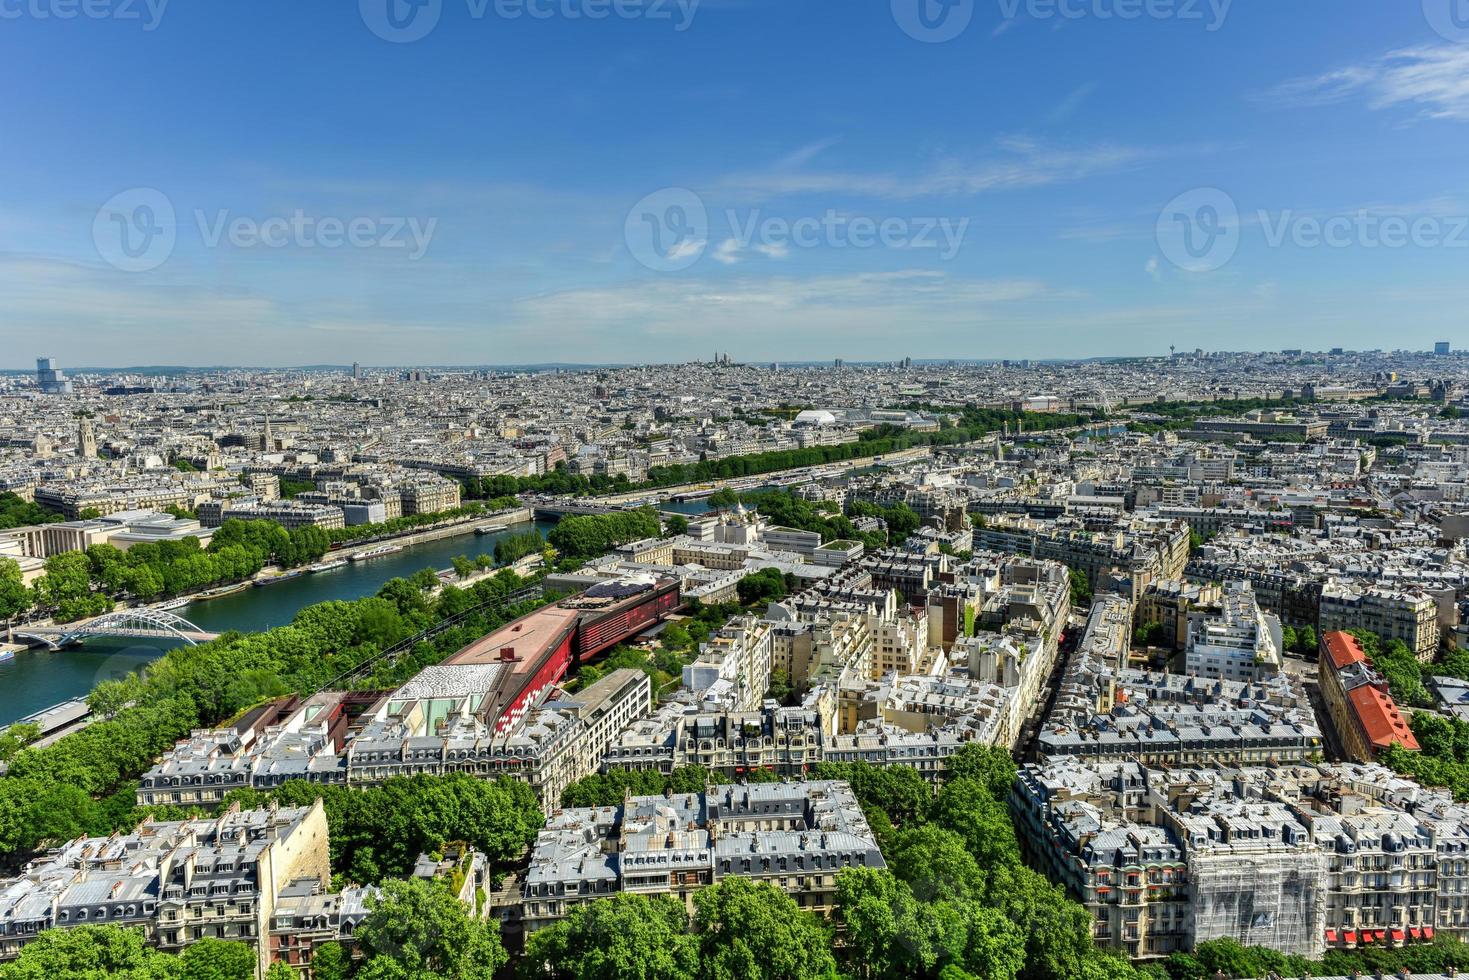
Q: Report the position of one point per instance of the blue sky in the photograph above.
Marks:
(997, 194)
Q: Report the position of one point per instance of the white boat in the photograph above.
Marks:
(178, 603)
(327, 566)
(378, 552)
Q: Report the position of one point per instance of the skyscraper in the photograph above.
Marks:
(1441, 348)
(50, 379)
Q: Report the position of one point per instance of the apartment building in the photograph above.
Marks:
(1235, 641)
(1409, 615)
(1301, 858)
(179, 881)
(797, 836)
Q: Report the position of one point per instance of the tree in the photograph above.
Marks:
(17, 737)
(988, 764)
(614, 938)
(463, 567)
(966, 807)
(676, 524)
(86, 951)
(1081, 589)
(766, 585)
(749, 930)
(329, 962)
(68, 576)
(936, 864)
(723, 499)
(215, 959)
(416, 930)
(15, 596)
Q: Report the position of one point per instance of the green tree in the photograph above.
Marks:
(676, 524)
(990, 765)
(749, 930)
(723, 499)
(330, 962)
(936, 864)
(463, 567)
(758, 588)
(15, 596)
(416, 930)
(616, 938)
(1081, 589)
(89, 952)
(215, 959)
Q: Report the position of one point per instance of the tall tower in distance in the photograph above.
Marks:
(267, 440)
(50, 379)
(86, 439)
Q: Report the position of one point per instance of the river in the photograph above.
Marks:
(37, 679)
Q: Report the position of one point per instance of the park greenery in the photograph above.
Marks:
(785, 509)
(413, 930)
(1443, 756)
(587, 536)
(955, 900)
(378, 832)
(972, 423)
(84, 782)
(17, 512)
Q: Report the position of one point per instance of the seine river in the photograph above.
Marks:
(37, 679)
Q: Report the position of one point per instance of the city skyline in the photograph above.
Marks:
(1050, 180)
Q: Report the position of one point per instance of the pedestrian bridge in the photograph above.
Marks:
(143, 623)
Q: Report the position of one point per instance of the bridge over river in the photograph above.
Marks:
(142, 622)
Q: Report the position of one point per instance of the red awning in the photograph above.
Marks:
(1366, 936)
(1428, 932)
(1331, 935)
(1415, 932)
(1350, 935)
(1397, 935)
(1381, 935)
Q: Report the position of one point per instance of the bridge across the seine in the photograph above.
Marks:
(143, 622)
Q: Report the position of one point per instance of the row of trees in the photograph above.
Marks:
(413, 522)
(84, 782)
(591, 535)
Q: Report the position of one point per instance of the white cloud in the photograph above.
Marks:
(1020, 163)
(1432, 79)
(1151, 268)
(728, 252)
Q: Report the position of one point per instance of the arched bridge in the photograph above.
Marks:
(143, 623)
